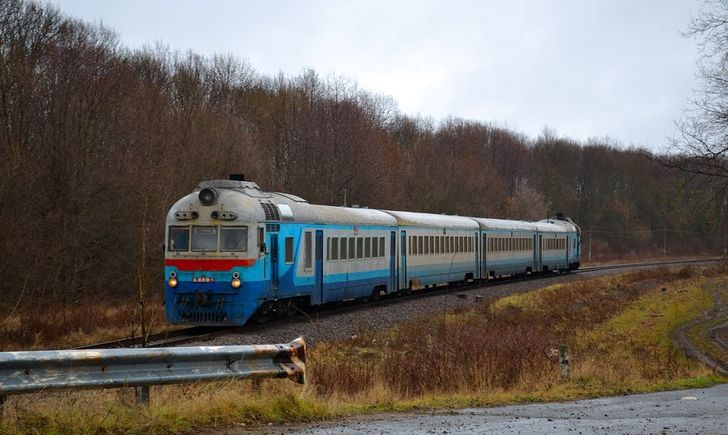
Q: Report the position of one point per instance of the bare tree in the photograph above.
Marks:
(702, 146)
(526, 202)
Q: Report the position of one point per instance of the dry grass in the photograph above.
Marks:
(507, 345)
(45, 327)
(500, 352)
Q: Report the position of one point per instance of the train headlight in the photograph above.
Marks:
(207, 196)
(235, 283)
(172, 282)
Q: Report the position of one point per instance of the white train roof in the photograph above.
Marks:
(544, 226)
(562, 225)
(504, 224)
(253, 204)
(412, 219)
(339, 215)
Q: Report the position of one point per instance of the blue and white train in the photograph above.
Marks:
(234, 252)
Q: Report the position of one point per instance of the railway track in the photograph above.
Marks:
(205, 333)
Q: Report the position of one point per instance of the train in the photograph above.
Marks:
(234, 253)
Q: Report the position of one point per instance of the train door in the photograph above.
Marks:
(403, 260)
(567, 249)
(540, 253)
(475, 253)
(393, 261)
(484, 257)
(319, 267)
(274, 262)
(535, 253)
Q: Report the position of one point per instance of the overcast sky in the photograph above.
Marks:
(584, 68)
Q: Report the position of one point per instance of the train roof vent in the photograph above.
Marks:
(271, 211)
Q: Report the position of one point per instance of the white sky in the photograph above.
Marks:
(584, 68)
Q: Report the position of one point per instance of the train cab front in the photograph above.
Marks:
(213, 269)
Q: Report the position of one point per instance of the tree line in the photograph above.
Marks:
(98, 140)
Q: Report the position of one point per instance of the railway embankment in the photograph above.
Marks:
(619, 330)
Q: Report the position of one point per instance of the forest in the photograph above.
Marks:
(97, 141)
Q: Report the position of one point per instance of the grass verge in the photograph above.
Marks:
(499, 352)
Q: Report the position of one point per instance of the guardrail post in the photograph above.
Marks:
(142, 395)
(564, 356)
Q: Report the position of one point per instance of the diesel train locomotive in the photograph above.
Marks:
(234, 252)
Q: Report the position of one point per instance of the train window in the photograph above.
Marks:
(437, 244)
(427, 245)
(289, 250)
(204, 239)
(359, 247)
(328, 248)
(409, 246)
(352, 248)
(367, 247)
(344, 247)
(179, 239)
(420, 245)
(234, 239)
(375, 247)
(334, 248)
(307, 260)
(461, 241)
(381, 247)
(261, 239)
(470, 244)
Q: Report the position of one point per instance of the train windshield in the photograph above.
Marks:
(204, 239)
(233, 239)
(179, 239)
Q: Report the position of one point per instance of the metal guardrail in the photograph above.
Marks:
(30, 371)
